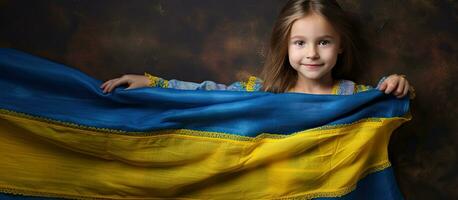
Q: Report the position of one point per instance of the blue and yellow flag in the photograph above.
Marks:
(61, 137)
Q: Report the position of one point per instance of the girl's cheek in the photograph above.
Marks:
(292, 55)
(331, 52)
(294, 58)
(293, 51)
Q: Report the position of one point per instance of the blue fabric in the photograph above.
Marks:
(39, 87)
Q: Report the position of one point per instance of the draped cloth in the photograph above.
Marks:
(61, 137)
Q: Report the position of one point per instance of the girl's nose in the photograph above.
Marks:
(311, 52)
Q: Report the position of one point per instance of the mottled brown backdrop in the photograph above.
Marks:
(198, 40)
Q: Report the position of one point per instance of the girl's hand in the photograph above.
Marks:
(133, 81)
(396, 84)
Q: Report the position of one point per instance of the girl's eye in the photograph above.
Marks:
(299, 43)
(324, 42)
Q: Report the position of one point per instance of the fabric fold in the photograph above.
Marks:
(61, 137)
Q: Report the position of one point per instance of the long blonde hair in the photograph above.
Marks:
(277, 74)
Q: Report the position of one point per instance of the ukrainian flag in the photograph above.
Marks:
(61, 137)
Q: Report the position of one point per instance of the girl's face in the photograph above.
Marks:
(313, 47)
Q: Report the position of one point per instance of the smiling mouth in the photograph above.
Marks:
(313, 66)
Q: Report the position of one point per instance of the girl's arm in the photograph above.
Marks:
(136, 81)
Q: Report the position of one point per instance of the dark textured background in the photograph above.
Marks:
(198, 40)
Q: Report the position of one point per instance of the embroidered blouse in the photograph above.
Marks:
(341, 87)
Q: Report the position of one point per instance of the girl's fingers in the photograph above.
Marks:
(116, 83)
(396, 84)
(106, 86)
(103, 84)
(390, 86)
(106, 83)
(382, 86)
(400, 87)
(406, 89)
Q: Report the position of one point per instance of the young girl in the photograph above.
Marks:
(312, 50)
(210, 146)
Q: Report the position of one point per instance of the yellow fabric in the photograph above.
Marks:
(81, 162)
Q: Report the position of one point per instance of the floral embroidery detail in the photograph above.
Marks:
(361, 88)
(155, 81)
(250, 85)
(336, 87)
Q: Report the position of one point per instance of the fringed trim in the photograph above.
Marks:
(60, 123)
(184, 132)
(34, 193)
(25, 193)
(155, 81)
(326, 127)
